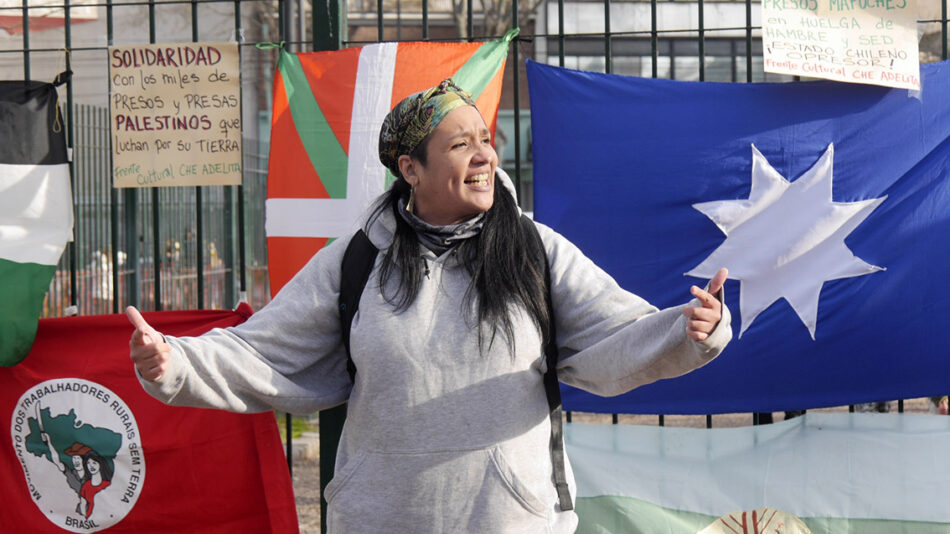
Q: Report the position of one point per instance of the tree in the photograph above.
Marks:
(496, 15)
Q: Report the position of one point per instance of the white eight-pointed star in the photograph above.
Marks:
(786, 239)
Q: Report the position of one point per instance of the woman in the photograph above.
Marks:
(100, 477)
(447, 426)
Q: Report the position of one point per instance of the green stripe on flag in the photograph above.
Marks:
(323, 149)
(613, 514)
(23, 286)
(626, 514)
(479, 70)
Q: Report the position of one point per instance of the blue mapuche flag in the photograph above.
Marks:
(828, 202)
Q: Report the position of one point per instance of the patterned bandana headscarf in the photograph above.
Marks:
(415, 117)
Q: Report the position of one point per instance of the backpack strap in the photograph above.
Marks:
(551, 385)
(358, 262)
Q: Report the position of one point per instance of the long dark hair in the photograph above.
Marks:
(105, 467)
(503, 260)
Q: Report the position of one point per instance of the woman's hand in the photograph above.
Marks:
(147, 348)
(702, 320)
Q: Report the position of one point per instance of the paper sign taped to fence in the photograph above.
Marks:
(860, 41)
(176, 114)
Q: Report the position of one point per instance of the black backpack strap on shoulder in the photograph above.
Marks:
(551, 386)
(358, 262)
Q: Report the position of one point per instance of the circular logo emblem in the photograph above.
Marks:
(81, 453)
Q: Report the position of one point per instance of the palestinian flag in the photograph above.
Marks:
(822, 473)
(36, 214)
(324, 168)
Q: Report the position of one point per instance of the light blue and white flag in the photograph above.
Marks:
(823, 473)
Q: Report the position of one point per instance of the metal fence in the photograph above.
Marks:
(204, 247)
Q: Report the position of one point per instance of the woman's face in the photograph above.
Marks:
(92, 465)
(457, 182)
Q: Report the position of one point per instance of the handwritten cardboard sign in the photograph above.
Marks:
(176, 114)
(861, 41)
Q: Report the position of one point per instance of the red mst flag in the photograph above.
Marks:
(88, 450)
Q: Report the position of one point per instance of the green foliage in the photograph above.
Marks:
(298, 425)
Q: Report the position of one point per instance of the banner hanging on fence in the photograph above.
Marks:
(859, 42)
(818, 473)
(175, 114)
(36, 209)
(86, 449)
(822, 199)
(324, 169)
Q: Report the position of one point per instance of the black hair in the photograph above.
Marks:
(502, 260)
(105, 467)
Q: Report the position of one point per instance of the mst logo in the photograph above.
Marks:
(81, 453)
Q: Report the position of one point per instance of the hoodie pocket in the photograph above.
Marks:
(443, 491)
(518, 489)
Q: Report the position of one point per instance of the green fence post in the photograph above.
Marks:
(329, 26)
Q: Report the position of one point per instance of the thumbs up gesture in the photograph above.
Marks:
(702, 320)
(147, 348)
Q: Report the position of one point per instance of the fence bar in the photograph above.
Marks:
(242, 252)
(328, 25)
(379, 20)
(330, 421)
(517, 96)
(70, 145)
(560, 32)
(288, 431)
(113, 192)
(156, 217)
(282, 20)
(654, 45)
(672, 45)
(469, 20)
(425, 20)
(199, 205)
(26, 40)
(748, 40)
(607, 59)
(943, 26)
(701, 41)
(288, 420)
(241, 267)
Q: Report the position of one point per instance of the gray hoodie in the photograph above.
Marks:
(439, 437)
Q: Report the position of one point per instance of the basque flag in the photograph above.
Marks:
(85, 448)
(324, 168)
(36, 210)
(828, 202)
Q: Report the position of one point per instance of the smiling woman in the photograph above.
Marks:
(449, 419)
(452, 178)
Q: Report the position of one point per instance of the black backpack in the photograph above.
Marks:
(358, 262)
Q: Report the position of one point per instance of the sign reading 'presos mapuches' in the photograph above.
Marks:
(175, 114)
(860, 41)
